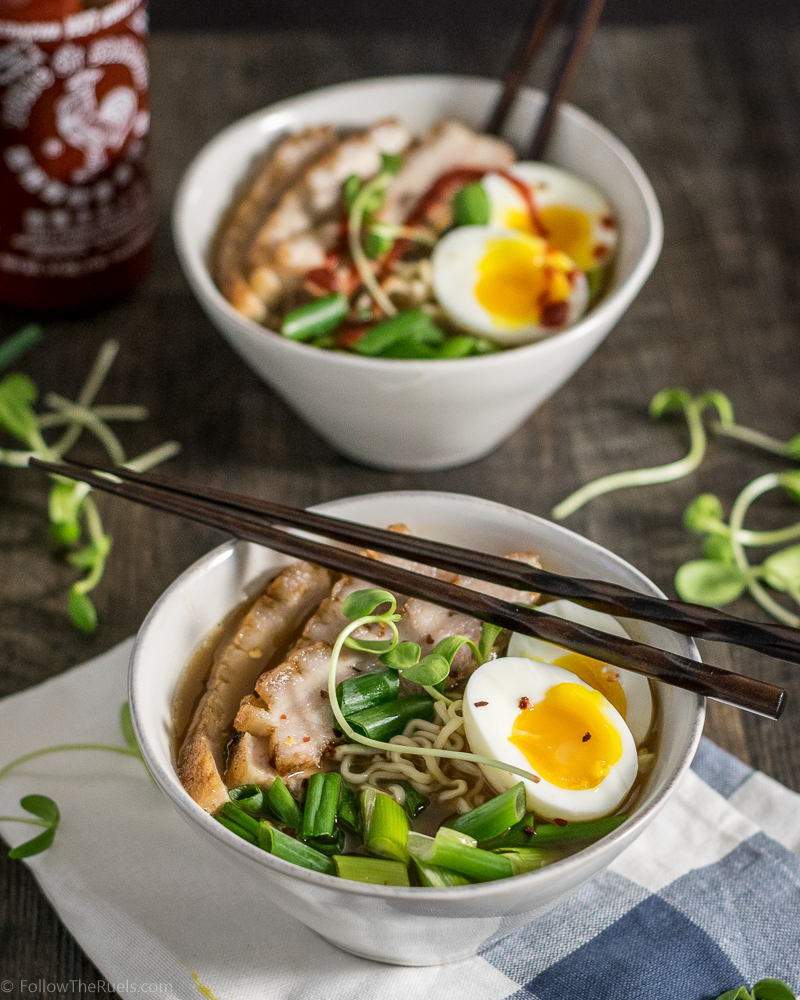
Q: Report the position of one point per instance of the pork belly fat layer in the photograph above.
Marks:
(264, 633)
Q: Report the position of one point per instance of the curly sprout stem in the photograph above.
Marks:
(125, 751)
(763, 441)
(644, 477)
(354, 224)
(750, 493)
(86, 418)
(100, 369)
(345, 727)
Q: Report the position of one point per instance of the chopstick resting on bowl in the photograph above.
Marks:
(534, 34)
(241, 520)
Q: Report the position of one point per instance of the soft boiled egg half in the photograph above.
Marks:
(572, 215)
(507, 285)
(628, 692)
(548, 721)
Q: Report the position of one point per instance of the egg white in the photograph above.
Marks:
(552, 186)
(455, 262)
(501, 683)
(636, 687)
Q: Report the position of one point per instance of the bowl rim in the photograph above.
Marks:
(196, 269)
(627, 831)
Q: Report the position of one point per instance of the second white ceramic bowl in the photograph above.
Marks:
(417, 415)
(405, 926)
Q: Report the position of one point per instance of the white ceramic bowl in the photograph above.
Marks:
(405, 926)
(417, 415)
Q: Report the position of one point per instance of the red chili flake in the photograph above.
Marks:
(321, 281)
(529, 830)
(524, 703)
(429, 639)
(560, 822)
(554, 314)
(480, 704)
(306, 739)
(350, 336)
(586, 738)
(283, 716)
(323, 694)
(600, 252)
(609, 222)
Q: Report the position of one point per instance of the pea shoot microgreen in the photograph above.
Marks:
(725, 572)
(43, 808)
(71, 509)
(429, 671)
(765, 989)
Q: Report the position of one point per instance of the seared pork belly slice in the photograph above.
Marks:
(312, 201)
(294, 715)
(272, 176)
(265, 632)
(248, 762)
(446, 146)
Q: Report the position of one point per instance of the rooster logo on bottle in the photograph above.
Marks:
(91, 126)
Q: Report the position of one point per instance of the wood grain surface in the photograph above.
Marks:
(713, 120)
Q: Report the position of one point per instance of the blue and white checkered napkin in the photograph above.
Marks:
(707, 899)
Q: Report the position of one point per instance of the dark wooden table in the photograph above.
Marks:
(713, 120)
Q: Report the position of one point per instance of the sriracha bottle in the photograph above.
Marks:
(76, 216)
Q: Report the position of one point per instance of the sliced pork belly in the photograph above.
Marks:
(446, 146)
(296, 235)
(263, 635)
(292, 155)
(248, 762)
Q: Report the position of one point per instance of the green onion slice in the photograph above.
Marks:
(283, 846)
(357, 693)
(471, 205)
(382, 722)
(493, 817)
(375, 871)
(385, 825)
(282, 803)
(315, 318)
(445, 851)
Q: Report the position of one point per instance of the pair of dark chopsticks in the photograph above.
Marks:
(255, 521)
(538, 26)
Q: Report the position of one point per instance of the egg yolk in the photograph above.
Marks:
(598, 675)
(515, 279)
(567, 738)
(570, 230)
(519, 218)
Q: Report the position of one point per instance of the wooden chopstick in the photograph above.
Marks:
(779, 641)
(585, 23)
(538, 26)
(535, 31)
(713, 682)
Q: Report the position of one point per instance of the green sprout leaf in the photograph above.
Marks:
(790, 481)
(82, 611)
(741, 994)
(22, 341)
(350, 190)
(772, 989)
(719, 548)
(17, 396)
(403, 656)
(782, 569)
(704, 513)
(48, 816)
(431, 670)
(711, 583)
(471, 205)
(362, 603)
(64, 507)
(391, 163)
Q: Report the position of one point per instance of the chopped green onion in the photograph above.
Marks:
(526, 859)
(349, 813)
(415, 801)
(357, 693)
(493, 817)
(234, 814)
(315, 318)
(446, 852)
(391, 163)
(283, 846)
(376, 245)
(249, 797)
(329, 845)
(282, 803)
(529, 833)
(322, 798)
(411, 350)
(435, 877)
(471, 205)
(458, 347)
(413, 323)
(382, 722)
(235, 828)
(596, 279)
(385, 825)
(375, 871)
